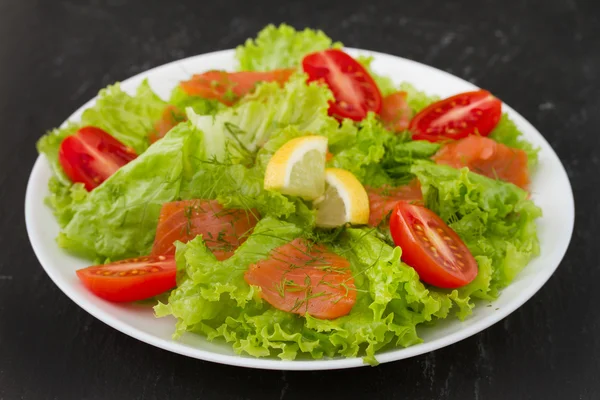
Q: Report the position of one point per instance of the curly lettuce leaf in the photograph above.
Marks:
(495, 219)
(213, 299)
(49, 144)
(416, 99)
(400, 155)
(280, 47)
(64, 199)
(127, 118)
(242, 129)
(506, 132)
(201, 106)
(363, 153)
(118, 219)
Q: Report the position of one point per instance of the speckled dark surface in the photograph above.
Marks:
(541, 57)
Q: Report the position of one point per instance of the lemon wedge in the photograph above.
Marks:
(298, 168)
(345, 200)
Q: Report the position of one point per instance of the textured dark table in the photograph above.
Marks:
(541, 57)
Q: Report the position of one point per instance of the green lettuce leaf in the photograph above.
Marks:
(400, 155)
(364, 151)
(239, 131)
(127, 118)
(416, 99)
(118, 219)
(213, 299)
(201, 106)
(506, 132)
(64, 199)
(494, 218)
(49, 144)
(280, 47)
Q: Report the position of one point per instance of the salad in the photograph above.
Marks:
(300, 206)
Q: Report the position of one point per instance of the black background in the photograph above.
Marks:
(541, 57)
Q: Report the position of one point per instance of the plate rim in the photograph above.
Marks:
(290, 365)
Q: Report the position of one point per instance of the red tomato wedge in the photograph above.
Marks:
(355, 92)
(301, 279)
(486, 157)
(383, 200)
(91, 155)
(228, 87)
(130, 280)
(431, 247)
(223, 230)
(457, 117)
(395, 112)
(170, 118)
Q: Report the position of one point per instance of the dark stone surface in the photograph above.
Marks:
(541, 57)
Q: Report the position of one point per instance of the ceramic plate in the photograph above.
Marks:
(550, 188)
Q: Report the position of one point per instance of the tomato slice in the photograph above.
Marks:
(457, 117)
(130, 280)
(301, 278)
(431, 247)
(355, 92)
(91, 155)
(383, 200)
(171, 117)
(223, 230)
(228, 87)
(395, 112)
(486, 157)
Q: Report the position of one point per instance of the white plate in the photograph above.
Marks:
(550, 187)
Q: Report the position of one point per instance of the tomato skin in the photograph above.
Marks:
(395, 112)
(486, 157)
(355, 91)
(91, 156)
(228, 87)
(130, 280)
(431, 247)
(223, 230)
(302, 279)
(171, 117)
(469, 113)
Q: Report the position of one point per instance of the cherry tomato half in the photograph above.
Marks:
(91, 155)
(130, 280)
(355, 92)
(457, 117)
(431, 247)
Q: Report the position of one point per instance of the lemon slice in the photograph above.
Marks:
(298, 168)
(345, 200)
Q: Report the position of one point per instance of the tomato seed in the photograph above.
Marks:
(162, 258)
(154, 269)
(134, 272)
(106, 273)
(122, 273)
